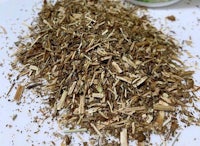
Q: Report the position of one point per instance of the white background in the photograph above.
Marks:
(20, 132)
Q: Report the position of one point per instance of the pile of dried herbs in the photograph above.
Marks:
(112, 71)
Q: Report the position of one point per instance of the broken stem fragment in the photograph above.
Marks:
(18, 94)
(75, 130)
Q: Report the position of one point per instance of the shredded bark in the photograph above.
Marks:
(110, 69)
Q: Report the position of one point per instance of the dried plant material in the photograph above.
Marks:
(98, 95)
(188, 42)
(166, 98)
(109, 70)
(141, 80)
(71, 89)
(124, 137)
(116, 66)
(160, 118)
(14, 117)
(3, 30)
(163, 107)
(82, 104)
(141, 143)
(132, 110)
(19, 92)
(96, 130)
(127, 60)
(66, 141)
(35, 68)
(75, 130)
(171, 18)
(62, 101)
(33, 85)
(133, 128)
(176, 139)
(10, 89)
(125, 79)
(149, 119)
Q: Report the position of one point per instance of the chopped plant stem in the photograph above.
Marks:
(75, 130)
(123, 137)
(18, 93)
(10, 89)
(96, 130)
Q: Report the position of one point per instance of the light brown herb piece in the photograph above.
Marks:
(3, 30)
(62, 101)
(171, 18)
(19, 92)
(163, 107)
(124, 137)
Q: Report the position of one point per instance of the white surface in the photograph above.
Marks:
(14, 12)
(19, 132)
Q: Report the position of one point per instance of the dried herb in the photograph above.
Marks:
(123, 137)
(10, 89)
(2, 30)
(111, 70)
(75, 130)
(18, 93)
(14, 117)
(66, 141)
(171, 18)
